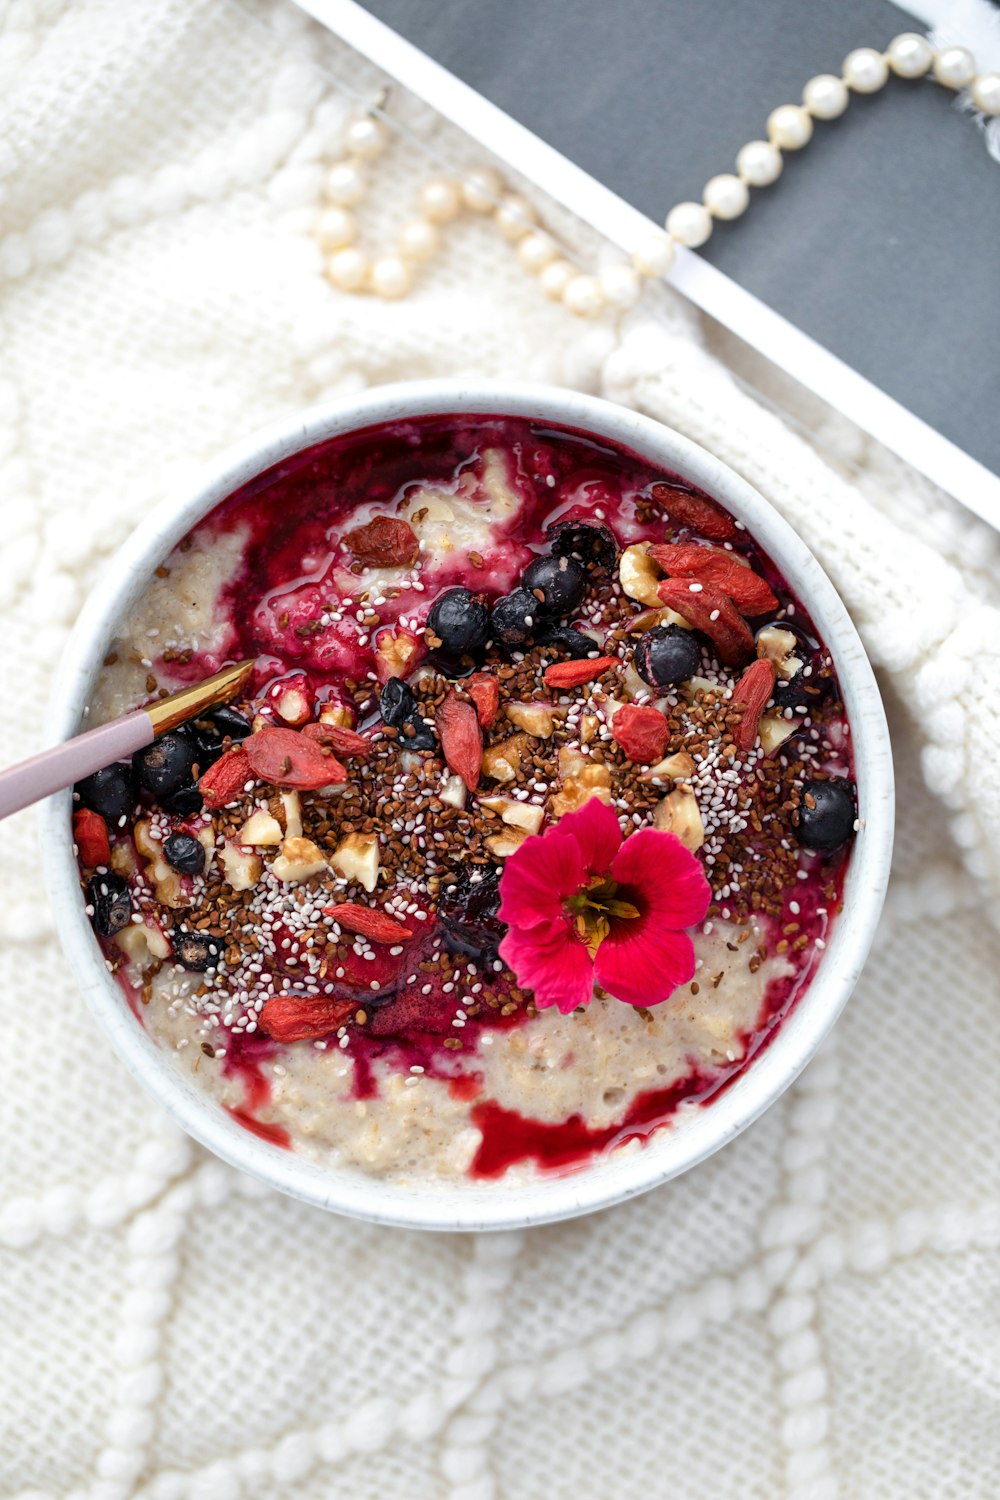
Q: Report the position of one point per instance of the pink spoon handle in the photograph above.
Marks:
(62, 766)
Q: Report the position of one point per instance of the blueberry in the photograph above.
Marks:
(665, 655)
(514, 617)
(109, 896)
(468, 907)
(591, 544)
(184, 853)
(460, 621)
(196, 950)
(565, 638)
(396, 702)
(210, 733)
(183, 803)
(414, 734)
(559, 580)
(228, 720)
(110, 792)
(803, 693)
(165, 766)
(399, 710)
(826, 814)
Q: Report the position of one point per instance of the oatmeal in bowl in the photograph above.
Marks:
(548, 836)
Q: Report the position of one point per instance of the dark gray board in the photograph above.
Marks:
(882, 237)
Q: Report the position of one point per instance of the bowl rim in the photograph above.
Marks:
(698, 1131)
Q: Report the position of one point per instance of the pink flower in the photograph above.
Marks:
(584, 906)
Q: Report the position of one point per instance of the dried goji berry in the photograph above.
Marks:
(712, 612)
(285, 757)
(461, 739)
(368, 922)
(484, 691)
(385, 542)
(751, 694)
(90, 834)
(751, 594)
(338, 738)
(223, 782)
(300, 1018)
(567, 674)
(696, 512)
(642, 732)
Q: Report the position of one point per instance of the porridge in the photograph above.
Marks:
(530, 827)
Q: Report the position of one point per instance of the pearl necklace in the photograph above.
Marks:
(727, 196)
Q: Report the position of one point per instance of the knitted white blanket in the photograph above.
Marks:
(811, 1314)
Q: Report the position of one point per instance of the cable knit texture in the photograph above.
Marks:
(811, 1314)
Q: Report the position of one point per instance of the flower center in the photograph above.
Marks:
(593, 908)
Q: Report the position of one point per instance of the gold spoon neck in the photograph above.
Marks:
(189, 702)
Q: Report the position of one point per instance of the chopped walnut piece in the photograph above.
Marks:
(680, 814)
(356, 857)
(240, 870)
(774, 731)
(298, 859)
(260, 829)
(534, 718)
(582, 778)
(291, 804)
(639, 576)
(503, 844)
(678, 767)
(454, 792)
(293, 707)
(503, 762)
(338, 714)
(780, 647)
(526, 815)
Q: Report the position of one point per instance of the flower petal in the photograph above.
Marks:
(538, 877)
(552, 962)
(642, 969)
(667, 878)
(595, 828)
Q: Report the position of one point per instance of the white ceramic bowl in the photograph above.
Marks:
(492, 1205)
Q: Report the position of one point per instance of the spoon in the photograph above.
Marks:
(68, 763)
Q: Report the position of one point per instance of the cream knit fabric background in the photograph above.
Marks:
(812, 1314)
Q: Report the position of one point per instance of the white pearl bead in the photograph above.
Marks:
(440, 199)
(910, 54)
(391, 277)
(583, 296)
(555, 278)
(481, 190)
(514, 217)
(655, 255)
(825, 96)
(865, 70)
(620, 284)
(759, 163)
(536, 250)
(690, 224)
(790, 127)
(336, 228)
(366, 137)
(419, 239)
(348, 269)
(345, 184)
(986, 93)
(726, 196)
(954, 67)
